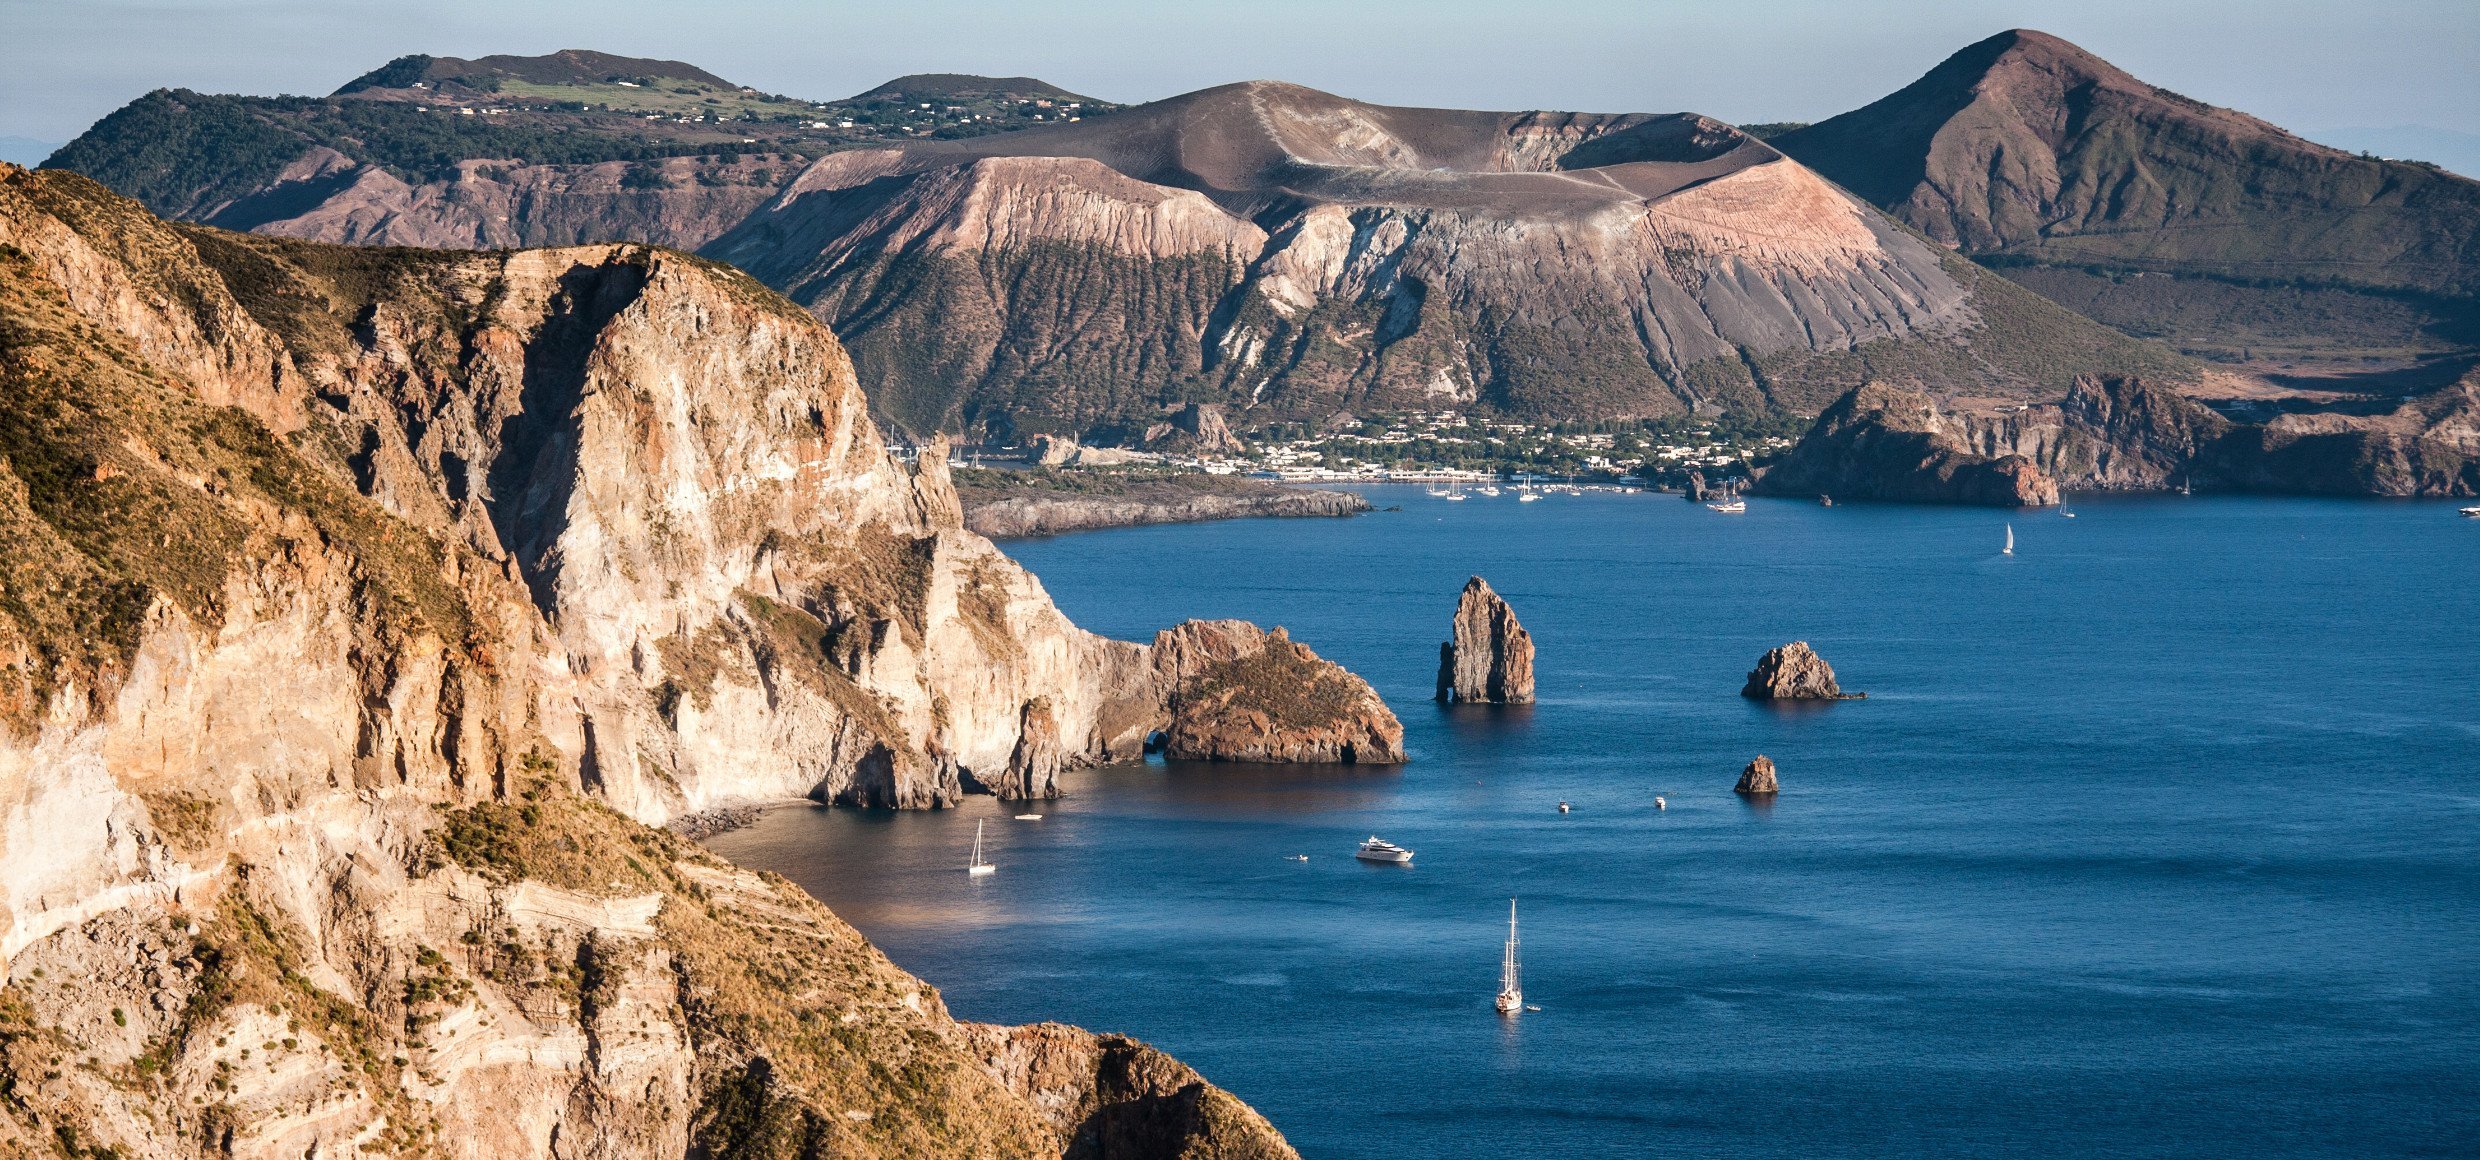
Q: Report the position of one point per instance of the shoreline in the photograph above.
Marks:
(1026, 505)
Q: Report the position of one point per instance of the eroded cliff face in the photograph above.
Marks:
(479, 204)
(2141, 435)
(361, 606)
(1883, 442)
(1488, 656)
(1288, 253)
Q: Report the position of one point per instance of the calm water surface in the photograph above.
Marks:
(2160, 838)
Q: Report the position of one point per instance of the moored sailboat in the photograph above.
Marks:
(1511, 970)
(977, 867)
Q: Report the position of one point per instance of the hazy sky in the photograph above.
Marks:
(2306, 64)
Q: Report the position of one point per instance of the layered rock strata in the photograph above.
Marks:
(1884, 442)
(1488, 658)
(1794, 672)
(2141, 435)
(360, 606)
(1287, 253)
(2133, 434)
(1758, 777)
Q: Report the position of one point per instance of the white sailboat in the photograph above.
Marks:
(1511, 970)
(977, 867)
(2010, 541)
(1527, 494)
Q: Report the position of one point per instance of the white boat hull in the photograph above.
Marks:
(1384, 855)
(978, 871)
(1510, 1003)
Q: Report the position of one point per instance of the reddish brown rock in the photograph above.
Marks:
(1237, 693)
(1895, 444)
(1490, 657)
(1794, 672)
(1758, 777)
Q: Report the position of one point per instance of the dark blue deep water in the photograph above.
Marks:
(2160, 838)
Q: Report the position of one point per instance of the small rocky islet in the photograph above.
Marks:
(1794, 672)
(1488, 659)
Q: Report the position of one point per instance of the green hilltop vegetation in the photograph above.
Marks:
(184, 153)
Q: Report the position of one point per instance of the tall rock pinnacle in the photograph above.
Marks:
(1490, 658)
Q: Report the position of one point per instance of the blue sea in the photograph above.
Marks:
(2160, 837)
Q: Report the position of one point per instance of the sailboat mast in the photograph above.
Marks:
(1511, 971)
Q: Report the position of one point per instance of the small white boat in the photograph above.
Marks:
(1730, 507)
(977, 867)
(1659, 804)
(1300, 857)
(1489, 491)
(1562, 807)
(1377, 849)
(2471, 512)
(2009, 550)
(1526, 494)
(1511, 970)
(1028, 817)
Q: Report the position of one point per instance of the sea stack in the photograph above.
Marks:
(1490, 658)
(1794, 672)
(1758, 777)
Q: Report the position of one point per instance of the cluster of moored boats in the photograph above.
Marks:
(1525, 490)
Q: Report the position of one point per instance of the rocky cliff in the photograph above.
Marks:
(2135, 434)
(1238, 693)
(1883, 442)
(1758, 777)
(361, 605)
(1794, 672)
(1488, 657)
(1287, 253)
(484, 203)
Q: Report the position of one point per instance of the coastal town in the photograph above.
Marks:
(1431, 446)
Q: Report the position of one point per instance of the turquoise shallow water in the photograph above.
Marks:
(2160, 838)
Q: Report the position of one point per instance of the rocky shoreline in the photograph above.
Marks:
(705, 824)
(1022, 504)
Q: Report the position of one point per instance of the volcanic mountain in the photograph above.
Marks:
(1292, 253)
(2024, 150)
(570, 148)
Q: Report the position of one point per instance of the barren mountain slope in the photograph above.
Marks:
(2024, 148)
(569, 148)
(1292, 252)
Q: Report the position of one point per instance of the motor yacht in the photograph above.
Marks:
(1377, 849)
